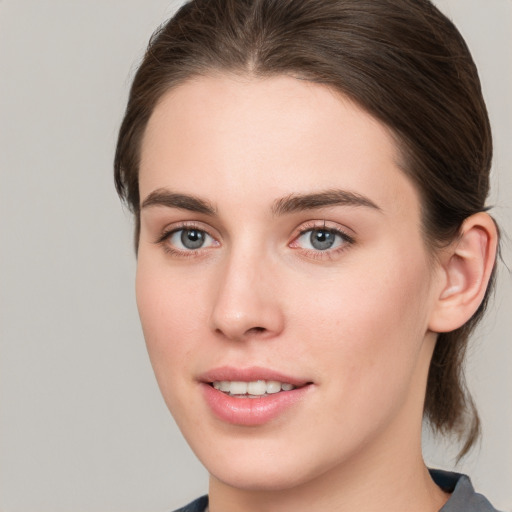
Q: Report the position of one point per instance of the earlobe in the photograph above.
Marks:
(466, 269)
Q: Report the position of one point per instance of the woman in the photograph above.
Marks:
(308, 179)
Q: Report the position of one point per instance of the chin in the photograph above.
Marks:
(267, 468)
(260, 479)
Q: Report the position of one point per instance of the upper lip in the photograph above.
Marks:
(250, 374)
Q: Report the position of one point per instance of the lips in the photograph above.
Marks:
(252, 396)
(255, 373)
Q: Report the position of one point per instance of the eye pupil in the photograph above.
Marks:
(192, 238)
(322, 239)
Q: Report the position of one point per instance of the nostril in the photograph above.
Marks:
(256, 329)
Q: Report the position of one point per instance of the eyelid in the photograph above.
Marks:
(344, 231)
(168, 231)
(347, 239)
(172, 227)
(338, 229)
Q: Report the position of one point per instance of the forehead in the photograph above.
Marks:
(281, 134)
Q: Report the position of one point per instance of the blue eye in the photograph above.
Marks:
(322, 239)
(190, 239)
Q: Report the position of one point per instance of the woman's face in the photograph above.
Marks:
(281, 248)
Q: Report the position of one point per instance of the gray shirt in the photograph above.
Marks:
(463, 497)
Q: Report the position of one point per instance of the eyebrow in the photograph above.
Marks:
(334, 197)
(289, 204)
(164, 197)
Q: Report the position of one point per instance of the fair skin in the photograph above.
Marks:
(336, 293)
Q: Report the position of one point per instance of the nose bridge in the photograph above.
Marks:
(246, 296)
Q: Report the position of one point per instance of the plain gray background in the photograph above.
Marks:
(82, 424)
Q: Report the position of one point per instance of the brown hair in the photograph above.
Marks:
(402, 61)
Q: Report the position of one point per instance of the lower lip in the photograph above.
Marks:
(251, 411)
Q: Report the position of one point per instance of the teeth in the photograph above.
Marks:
(273, 386)
(238, 388)
(225, 385)
(258, 387)
(252, 389)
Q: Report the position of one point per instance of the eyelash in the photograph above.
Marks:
(164, 238)
(329, 254)
(346, 240)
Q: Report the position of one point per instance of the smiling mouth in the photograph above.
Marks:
(252, 389)
(228, 392)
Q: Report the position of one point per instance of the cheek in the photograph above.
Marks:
(369, 324)
(170, 304)
(368, 299)
(170, 315)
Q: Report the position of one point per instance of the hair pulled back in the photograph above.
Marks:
(402, 61)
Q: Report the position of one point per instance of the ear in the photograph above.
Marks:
(466, 268)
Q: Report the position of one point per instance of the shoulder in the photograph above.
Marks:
(198, 505)
(463, 496)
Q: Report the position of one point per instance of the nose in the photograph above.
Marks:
(247, 300)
